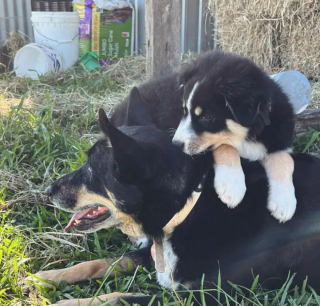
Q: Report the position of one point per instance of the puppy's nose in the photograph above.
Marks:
(178, 144)
(48, 191)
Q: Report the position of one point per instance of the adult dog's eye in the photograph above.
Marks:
(206, 117)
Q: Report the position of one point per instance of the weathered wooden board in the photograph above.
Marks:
(308, 118)
(163, 36)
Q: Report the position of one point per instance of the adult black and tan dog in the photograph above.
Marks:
(135, 179)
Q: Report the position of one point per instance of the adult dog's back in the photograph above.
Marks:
(161, 105)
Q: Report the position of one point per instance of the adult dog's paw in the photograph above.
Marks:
(282, 201)
(230, 185)
(46, 278)
(112, 298)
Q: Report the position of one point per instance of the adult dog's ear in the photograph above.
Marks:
(130, 157)
(137, 112)
(247, 113)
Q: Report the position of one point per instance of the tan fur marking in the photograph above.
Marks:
(237, 130)
(113, 299)
(124, 222)
(86, 270)
(184, 104)
(227, 155)
(198, 111)
(234, 137)
(86, 198)
(279, 166)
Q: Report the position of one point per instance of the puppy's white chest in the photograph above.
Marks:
(171, 259)
(252, 150)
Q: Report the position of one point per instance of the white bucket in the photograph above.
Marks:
(33, 60)
(59, 31)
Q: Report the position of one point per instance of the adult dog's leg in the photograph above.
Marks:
(95, 268)
(282, 201)
(229, 180)
(113, 299)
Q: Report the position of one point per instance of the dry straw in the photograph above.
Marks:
(73, 90)
(15, 42)
(275, 34)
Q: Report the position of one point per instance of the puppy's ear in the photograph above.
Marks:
(137, 112)
(247, 113)
(128, 154)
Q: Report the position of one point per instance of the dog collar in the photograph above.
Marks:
(177, 219)
(180, 216)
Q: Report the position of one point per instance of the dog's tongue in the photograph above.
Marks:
(79, 216)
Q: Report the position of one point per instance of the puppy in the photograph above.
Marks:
(234, 109)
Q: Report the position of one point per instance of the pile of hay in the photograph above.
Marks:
(9, 50)
(275, 34)
(15, 42)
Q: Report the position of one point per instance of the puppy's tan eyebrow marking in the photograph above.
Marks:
(184, 104)
(198, 111)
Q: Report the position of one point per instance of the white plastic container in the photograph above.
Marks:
(297, 88)
(59, 31)
(33, 60)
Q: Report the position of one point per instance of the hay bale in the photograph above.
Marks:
(300, 40)
(275, 34)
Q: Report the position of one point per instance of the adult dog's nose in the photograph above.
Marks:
(48, 191)
(178, 143)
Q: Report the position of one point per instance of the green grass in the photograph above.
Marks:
(44, 134)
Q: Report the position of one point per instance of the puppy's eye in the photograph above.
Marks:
(206, 117)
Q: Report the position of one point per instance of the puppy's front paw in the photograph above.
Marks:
(230, 185)
(282, 201)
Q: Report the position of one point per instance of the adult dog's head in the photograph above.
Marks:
(95, 192)
(226, 98)
(127, 168)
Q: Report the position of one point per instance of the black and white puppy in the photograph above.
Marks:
(234, 109)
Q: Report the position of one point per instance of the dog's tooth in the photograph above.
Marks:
(94, 211)
(76, 221)
(99, 208)
(89, 215)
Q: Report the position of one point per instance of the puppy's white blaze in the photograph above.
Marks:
(170, 261)
(185, 133)
(252, 150)
(189, 100)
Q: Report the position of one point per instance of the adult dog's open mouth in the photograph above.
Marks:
(88, 217)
